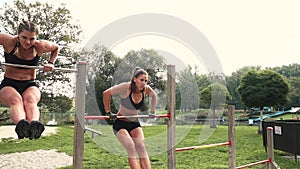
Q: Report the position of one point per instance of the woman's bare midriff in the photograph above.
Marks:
(126, 112)
(19, 74)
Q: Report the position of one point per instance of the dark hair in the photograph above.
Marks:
(29, 26)
(137, 71)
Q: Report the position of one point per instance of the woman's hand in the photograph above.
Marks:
(48, 67)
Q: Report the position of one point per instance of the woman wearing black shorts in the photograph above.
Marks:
(129, 131)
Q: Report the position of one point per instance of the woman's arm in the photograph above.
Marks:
(7, 41)
(153, 95)
(108, 93)
(44, 46)
(106, 99)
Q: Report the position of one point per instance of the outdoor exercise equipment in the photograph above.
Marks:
(79, 128)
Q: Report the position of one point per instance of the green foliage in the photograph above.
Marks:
(187, 94)
(294, 93)
(291, 70)
(102, 65)
(263, 88)
(215, 96)
(57, 104)
(202, 81)
(233, 82)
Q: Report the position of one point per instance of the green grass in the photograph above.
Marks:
(100, 152)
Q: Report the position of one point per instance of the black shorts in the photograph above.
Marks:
(127, 125)
(19, 85)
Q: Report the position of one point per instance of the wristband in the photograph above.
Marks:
(50, 62)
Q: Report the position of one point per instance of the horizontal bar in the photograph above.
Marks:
(93, 131)
(126, 117)
(253, 164)
(203, 146)
(37, 67)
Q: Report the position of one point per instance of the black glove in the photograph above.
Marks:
(112, 116)
(152, 114)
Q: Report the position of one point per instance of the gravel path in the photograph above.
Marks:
(41, 159)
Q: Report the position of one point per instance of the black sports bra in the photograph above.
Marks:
(128, 103)
(13, 59)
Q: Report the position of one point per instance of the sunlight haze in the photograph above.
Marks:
(243, 33)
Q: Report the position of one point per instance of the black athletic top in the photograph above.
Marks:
(128, 103)
(13, 59)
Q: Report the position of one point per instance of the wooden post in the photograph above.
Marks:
(78, 145)
(270, 147)
(231, 137)
(171, 123)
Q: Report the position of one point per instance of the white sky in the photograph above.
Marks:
(243, 33)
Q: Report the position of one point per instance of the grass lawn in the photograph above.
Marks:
(104, 151)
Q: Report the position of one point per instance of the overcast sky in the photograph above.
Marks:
(242, 33)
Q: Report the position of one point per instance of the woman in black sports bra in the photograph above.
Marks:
(129, 132)
(18, 90)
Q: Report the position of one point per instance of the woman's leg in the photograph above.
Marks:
(11, 98)
(31, 96)
(139, 141)
(127, 142)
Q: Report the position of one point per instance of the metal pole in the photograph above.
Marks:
(171, 123)
(38, 67)
(127, 117)
(78, 145)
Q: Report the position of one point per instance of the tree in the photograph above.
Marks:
(187, 91)
(292, 70)
(203, 81)
(263, 88)
(102, 65)
(214, 97)
(57, 104)
(294, 93)
(233, 82)
(292, 73)
(56, 24)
